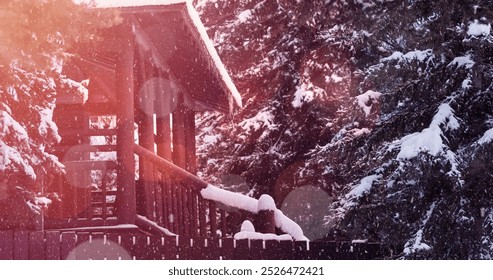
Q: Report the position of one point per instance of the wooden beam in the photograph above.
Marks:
(126, 199)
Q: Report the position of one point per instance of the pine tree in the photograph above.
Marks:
(35, 38)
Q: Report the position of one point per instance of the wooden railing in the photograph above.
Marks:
(187, 205)
(171, 197)
(96, 245)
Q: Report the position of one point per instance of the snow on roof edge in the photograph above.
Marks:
(194, 15)
(133, 3)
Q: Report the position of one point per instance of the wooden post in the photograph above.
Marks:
(179, 135)
(146, 139)
(163, 141)
(126, 198)
(190, 147)
(163, 123)
(266, 222)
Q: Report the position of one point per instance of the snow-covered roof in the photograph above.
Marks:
(135, 3)
(195, 18)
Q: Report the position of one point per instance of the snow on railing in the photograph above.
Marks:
(253, 205)
(228, 198)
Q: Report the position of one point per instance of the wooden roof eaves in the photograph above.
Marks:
(156, 56)
(190, 25)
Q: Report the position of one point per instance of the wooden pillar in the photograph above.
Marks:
(145, 121)
(163, 122)
(190, 147)
(266, 221)
(163, 142)
(126, 198)
(179, 136)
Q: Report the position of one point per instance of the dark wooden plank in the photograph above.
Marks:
(199, 250)
(257, 251)
(127, 242)
(163, 125)
(301, 250)
(21, 245)
(84, 247)
(276, 250)
(211, 246)
(202, 217)
(190, 149)
(227, 247)
(322, 251)
(153, 250)
(119, 251)
(170, 248)
(174, 205)
(68, 245)
(53, 245)
(213, 218)
(167, 205)
(194, 218)
(286, 248)
(37, 245)
(104, 193)
(139, 247)
(344, 250)
(158, 194)
(179, 210)
(224, 222)
(242, 250)
(6, 245)
(186, 211)
(367, 251)
(179, 136)
(185, 248)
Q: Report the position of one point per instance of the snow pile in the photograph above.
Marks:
(462, 61)
(248, 232)
(78, 89)
(475, 28)
(266, 202)
(10, 155)
(416, 243)
(306, 93)
(367, 99)
(302, 96)
(245, 15)
(251, 205)
(487, 137)
(264, 119)
(366, 4)
(420, 56)
(430, 139)
(363, 187)
(231, 199)
(261, 236)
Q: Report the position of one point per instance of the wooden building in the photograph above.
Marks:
(146, 79)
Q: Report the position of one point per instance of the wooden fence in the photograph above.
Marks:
(55, 245)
